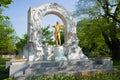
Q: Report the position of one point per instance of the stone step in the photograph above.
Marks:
(60, 63)
(93, 71)
(70, 68)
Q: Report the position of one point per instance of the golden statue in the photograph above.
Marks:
(57, 27)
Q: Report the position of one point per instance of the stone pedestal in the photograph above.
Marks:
(29, 70)
(59, 53)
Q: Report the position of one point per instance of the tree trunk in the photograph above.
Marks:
(116, 53)
(113, 45)
(115, 49)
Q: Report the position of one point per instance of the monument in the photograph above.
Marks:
(35, 46)
(46, 59)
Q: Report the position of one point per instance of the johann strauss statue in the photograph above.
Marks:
(57, 28)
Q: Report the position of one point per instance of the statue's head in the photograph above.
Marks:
(57, 23)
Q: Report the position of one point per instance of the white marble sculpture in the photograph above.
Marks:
(48, 52)
(36, 50)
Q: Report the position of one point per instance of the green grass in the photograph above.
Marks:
(98, 76)
(3, 73)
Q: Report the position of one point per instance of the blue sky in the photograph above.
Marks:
(18, 11)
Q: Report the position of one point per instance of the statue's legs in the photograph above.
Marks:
(56, 39)
(59, 41)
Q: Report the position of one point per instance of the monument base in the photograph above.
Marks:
(59, 53)
(30, 70)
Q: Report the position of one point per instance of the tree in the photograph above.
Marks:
(47, 36)
(21, 43)
(91, 39)
(7, 44)
(106, 17)
(7, 33)
(4, 4)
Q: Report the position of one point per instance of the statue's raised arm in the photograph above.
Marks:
(62, 27)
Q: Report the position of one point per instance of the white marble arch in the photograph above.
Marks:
(35, 16)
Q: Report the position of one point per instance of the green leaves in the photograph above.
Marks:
(100, 32)
(6, 40)
(90, 34)
(21, 43)
(7, 33)
(47, 36)
(5, 3)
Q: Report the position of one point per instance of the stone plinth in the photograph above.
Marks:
(17, 68)
(59, 53)
(39, 68)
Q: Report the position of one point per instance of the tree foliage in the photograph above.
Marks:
(7, 44)
(104, 17)
(47, 36)
(7, 33)
(5, 3)
(21, 43)
(91, 39)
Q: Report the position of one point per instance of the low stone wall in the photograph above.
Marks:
(26, 69)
